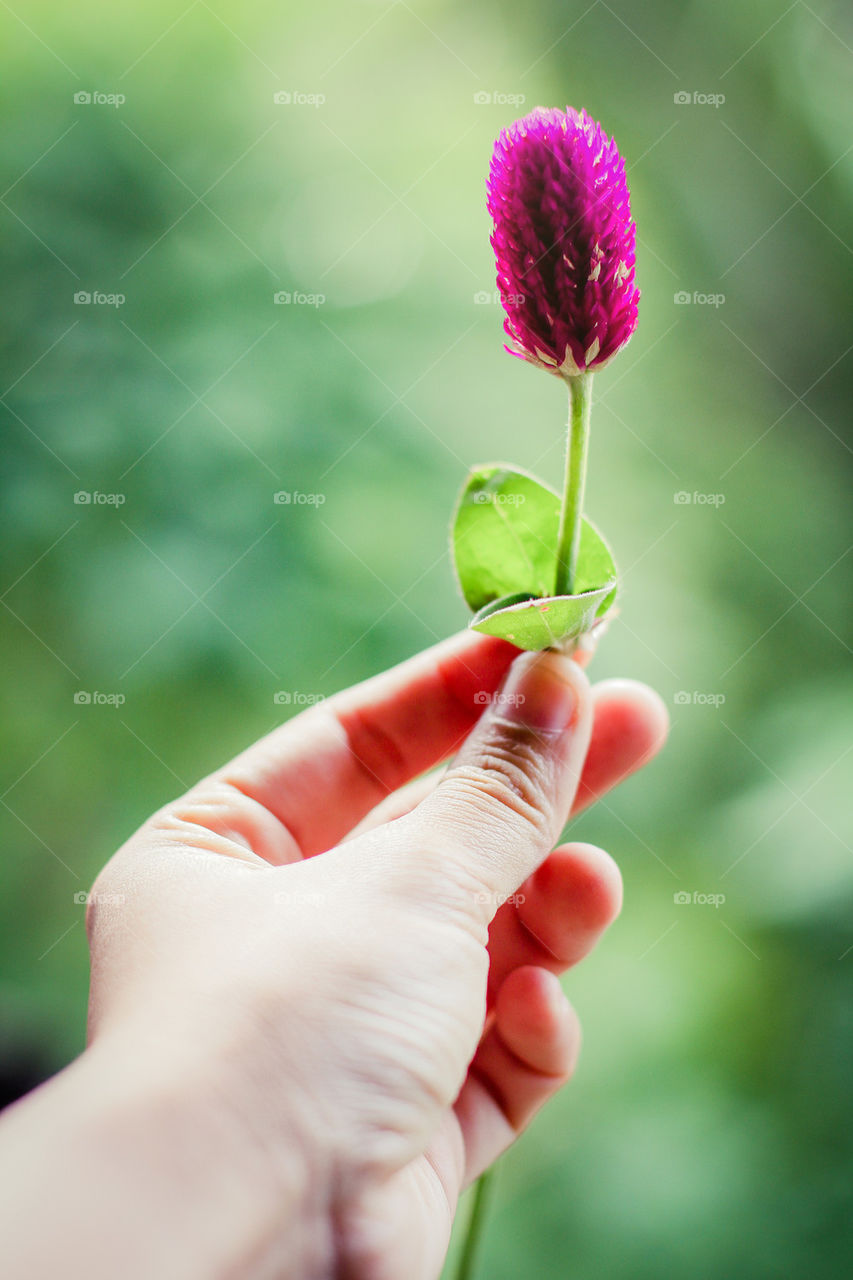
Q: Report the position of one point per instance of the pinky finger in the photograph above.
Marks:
(527, 1054)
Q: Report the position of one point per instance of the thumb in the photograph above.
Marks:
(502, 804)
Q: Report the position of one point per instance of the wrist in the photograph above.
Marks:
(250, 1178)
(159, 1165)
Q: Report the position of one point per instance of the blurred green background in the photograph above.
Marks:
(708, 1132)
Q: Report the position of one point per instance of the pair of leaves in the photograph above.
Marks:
(504, 538)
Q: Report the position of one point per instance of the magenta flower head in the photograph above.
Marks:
(564, 241)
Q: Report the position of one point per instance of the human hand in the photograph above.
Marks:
(369, 993)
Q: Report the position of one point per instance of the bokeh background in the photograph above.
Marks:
(709, 1129)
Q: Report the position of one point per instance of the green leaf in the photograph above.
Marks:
(504, 535)
(505, 540)
(551, 621)
(519, 597)
(595, 565)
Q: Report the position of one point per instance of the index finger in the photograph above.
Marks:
(322, 771)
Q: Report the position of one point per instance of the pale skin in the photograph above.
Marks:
(323, 1001)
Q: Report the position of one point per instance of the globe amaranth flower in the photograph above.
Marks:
(563, 240)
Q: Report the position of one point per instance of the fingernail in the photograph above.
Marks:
(540, 693)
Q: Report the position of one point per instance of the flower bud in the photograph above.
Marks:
(563, 241)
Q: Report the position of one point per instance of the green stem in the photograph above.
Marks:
(482, 1195)
(568, 543)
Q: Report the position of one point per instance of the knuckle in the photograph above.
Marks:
(512, 779)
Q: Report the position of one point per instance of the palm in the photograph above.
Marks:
(525, 1049)
(446, 1023)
